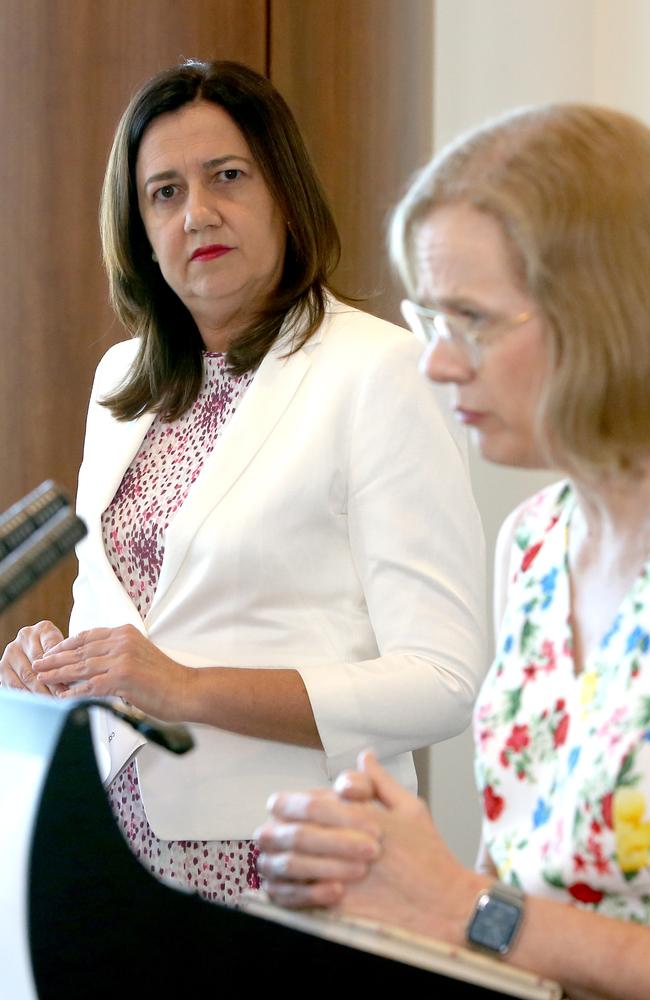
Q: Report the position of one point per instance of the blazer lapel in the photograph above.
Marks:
(119, 447)
(113, 451)
(266, 399)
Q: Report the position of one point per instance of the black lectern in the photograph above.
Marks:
(82, 918)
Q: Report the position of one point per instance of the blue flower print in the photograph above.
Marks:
(637, 639)
(548, 586)
(541, 814)
(607, 638)
(507, 645)
(574, 757)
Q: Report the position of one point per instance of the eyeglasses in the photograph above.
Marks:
(471, 332)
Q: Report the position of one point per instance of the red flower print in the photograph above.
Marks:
(529, 555)
(559, 705)
(548, 652)
(521, 775)
(584, 893)
(529, 672)
(606, 809)
(504, 758)
(594, 846)
(493, 804)
(579, 862)
(518, 738)
(559, 736)
(595, 826)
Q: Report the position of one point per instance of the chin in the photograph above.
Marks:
(505, 450)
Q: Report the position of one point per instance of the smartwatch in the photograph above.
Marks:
(496, 920)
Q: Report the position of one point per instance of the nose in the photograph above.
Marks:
(201, 209)
(446, 362)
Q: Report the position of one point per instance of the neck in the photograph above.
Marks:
(221, 323)
(615, 510)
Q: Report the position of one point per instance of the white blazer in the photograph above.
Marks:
(332, 530)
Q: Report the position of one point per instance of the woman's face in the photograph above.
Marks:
(464, 267)
(217, 234)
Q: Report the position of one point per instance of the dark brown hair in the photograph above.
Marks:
(167, 371)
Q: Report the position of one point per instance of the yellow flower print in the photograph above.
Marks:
(504, 868)
(632, 833)
(588, 687)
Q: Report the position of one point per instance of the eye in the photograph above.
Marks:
(471, 318)
(229, 174)
(165, 193)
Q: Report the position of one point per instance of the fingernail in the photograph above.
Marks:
(372, 849)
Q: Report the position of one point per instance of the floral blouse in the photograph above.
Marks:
(563, 760)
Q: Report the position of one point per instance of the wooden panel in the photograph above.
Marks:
(359, 76)
(67, 70)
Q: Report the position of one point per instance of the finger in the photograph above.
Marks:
(36, 639)
(71, 673)
(305, 838)
(325, 808)
(389, 791)
(18, 672)
(289, 866)
(11, 681)
(73, 655)
(354, 786)
(52, 662)
(296, 895)
(81, 639)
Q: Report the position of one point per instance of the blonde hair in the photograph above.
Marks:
(570, 186)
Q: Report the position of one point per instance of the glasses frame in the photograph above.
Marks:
(432, 325)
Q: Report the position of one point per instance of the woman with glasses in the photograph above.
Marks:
(525, 249)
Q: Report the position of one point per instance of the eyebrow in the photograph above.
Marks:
(450, 302)
(218, 161)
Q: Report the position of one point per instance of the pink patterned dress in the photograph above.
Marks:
(153, 488)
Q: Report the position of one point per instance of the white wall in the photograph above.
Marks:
(492, 55)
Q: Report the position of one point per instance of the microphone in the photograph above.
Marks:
(173, 737)
(29, 514)
(35, 534)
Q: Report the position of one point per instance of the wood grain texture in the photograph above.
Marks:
(67, 71)
(358, 74)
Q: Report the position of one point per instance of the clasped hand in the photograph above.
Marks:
(100, 662)
(368, 848)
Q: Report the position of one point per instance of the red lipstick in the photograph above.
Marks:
(210, 252)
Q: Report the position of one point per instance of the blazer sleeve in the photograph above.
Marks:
(417, 544)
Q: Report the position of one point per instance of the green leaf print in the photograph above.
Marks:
(624, 776)
(528, 633)
(555, 880)
(643, 718)
(514, 880)
(522, 538)
(513, 701)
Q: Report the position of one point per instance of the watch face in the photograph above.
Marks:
(494, 924)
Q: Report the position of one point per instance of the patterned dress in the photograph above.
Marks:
(153, 488)
(563, 759)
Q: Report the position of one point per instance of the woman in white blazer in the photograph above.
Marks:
(321, 557)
